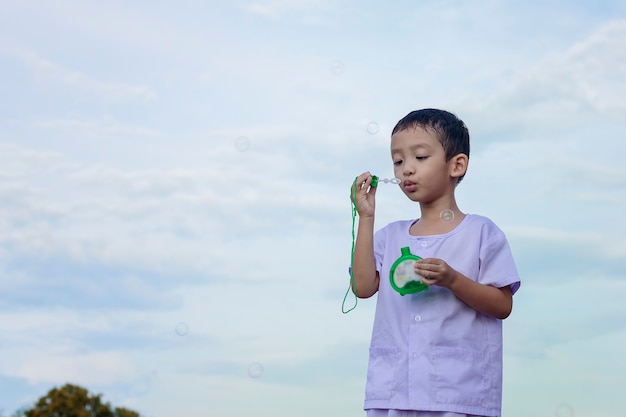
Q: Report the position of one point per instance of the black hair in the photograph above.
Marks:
(451, 132)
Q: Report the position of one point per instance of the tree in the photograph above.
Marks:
(74, 401)
(123, 412)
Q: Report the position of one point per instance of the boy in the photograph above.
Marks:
(435, 353)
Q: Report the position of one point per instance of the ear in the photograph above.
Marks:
(458, 165)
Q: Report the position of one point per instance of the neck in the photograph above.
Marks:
(439, 210)
(438, 217)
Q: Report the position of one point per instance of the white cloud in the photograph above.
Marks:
(563, 90)
(47, 71)
(276, 9)
(88, 369)
(106, 125)
(185, 220)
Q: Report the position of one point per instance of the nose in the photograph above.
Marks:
(408, 169)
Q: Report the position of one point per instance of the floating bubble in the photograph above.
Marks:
(564, 410)
(372, 128)
(336, 67)
(446, 216)
(182, 329)
(242, 143)
(255, 370)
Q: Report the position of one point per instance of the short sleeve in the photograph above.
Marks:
(497, 266)
(379, 248)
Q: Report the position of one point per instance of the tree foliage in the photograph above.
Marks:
(74, 401)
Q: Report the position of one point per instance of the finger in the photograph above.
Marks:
(427, 280)
(361, 179)
(372, 190)
(421, 271)
(357, 184)
(422, 264)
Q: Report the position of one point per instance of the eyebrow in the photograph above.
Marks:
(412, 147)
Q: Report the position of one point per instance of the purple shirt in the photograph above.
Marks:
(430, 351)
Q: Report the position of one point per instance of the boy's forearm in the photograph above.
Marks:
(364, 266)
(489, 300)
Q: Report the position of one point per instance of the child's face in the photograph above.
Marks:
(419, 161)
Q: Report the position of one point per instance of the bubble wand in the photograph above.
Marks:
(373, 183)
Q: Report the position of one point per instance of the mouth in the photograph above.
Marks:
(409, 186)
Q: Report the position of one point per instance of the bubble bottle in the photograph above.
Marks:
(402, 275)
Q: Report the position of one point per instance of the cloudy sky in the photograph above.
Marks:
(175, 227)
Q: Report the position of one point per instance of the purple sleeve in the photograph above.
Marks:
(497, 266)
(379, 248)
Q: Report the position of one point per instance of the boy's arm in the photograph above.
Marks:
(364, 272)
(489, 300)
(366, 277)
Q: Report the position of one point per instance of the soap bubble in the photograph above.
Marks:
(242, 143)
(372, 128)
(182, 329)
(446, 216)
(255, 370)
(564, 410)
(336, 67)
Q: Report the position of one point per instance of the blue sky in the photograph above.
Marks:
(175, 226)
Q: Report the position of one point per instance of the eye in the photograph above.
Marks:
(396, 163)
(421, 158)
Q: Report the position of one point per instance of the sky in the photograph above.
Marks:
(175, 227)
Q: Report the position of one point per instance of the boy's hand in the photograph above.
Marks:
(436, 272)
(363, 195)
